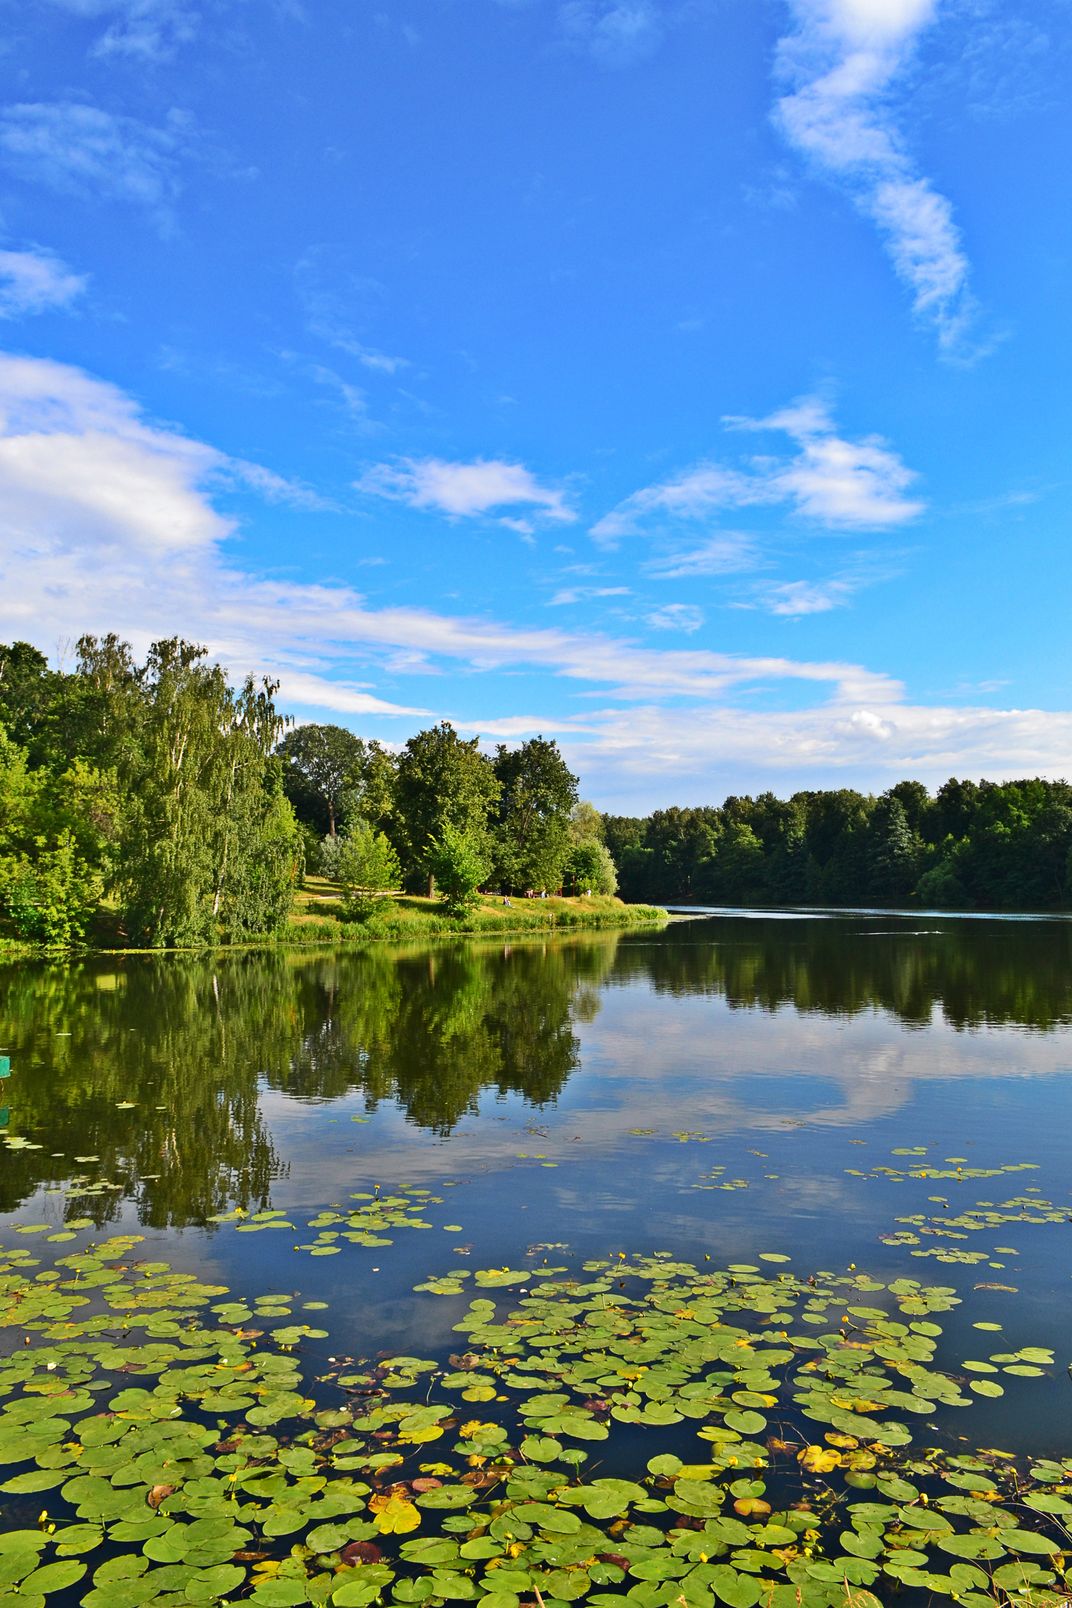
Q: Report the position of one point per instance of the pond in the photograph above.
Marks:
(723, 1263)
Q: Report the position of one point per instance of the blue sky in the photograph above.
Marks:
(683, 379)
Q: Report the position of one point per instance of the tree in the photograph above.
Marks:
(893, 851)
(370, 786)
(26, 686)
(459, 863)
(589, 868)
(208, 845)
(533, 816)
(51, 858)
(586, 824)
(367, 866)
(442, 781)
(319, 764)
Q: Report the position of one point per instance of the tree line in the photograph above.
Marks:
(151, 802)
(443, 814)
(971, 846)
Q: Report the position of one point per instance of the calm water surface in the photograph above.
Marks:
(594, 1095)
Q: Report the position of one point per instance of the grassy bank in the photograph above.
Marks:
(319, 916)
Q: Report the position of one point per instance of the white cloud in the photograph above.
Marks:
(150, 30)
(615, 32)
(841, 63)
(842, 741)
(725, 554)
(107, 522)
(81, 149)
(676, 617)
(795, 598)
(570, 595)
(464, 490)
(36, 281)
(859, 485)
(835, 481)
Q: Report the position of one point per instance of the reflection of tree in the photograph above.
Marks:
(160, 1033)
(972, 972)
(434, 1029)
(189, 1041)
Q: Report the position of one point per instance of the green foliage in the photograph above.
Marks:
(442, 782)
(458, 863)
(152, 784)
(586, 823)
(533, 817)
(974, 846)
(324, 773)
(366, 865)
(590, 869)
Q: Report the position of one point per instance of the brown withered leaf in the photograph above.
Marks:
(355, 1552)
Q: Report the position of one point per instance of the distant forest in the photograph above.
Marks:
(972, 846)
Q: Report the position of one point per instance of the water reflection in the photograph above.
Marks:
(153, 1070)
(970, 972)
(183, 1083)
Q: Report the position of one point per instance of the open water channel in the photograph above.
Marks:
(745, 1125)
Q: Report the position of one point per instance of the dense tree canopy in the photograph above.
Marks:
(443, 780)
(319, 764)
(973, 846)
(152, 785)
(158, 798)
(532, 818)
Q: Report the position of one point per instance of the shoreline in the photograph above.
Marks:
(406, 920)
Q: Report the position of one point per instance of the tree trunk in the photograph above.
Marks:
(431, 885)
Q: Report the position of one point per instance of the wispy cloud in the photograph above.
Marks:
(615, 32)
(841, 64)
(795, 598)
(833, 480)
(571, 595)
(676, 617)
(147, 30)
(464, 490)
(36, 281)
(858, 484)
(82, 150)
(336, 301)
(728, 553)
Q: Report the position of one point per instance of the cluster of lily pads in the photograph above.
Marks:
(638, 1430)
(360, 1224)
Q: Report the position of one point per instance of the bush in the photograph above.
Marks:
(589, 868)
(328, 851)
(459, 866)
(367, 866)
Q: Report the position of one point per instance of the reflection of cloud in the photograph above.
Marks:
(677, 1062)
